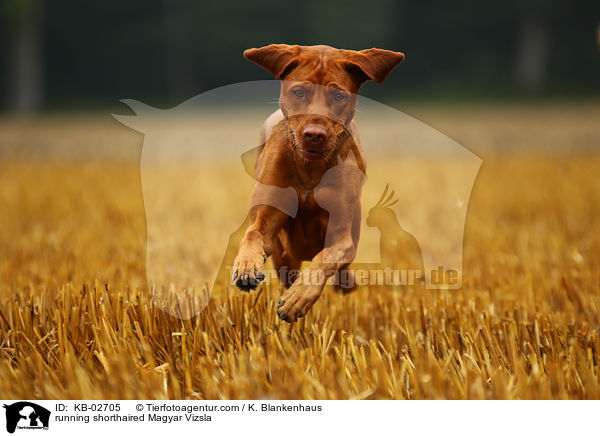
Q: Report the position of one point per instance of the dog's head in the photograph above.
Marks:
(319, 86)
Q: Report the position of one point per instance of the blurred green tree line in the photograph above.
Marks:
(66, 53)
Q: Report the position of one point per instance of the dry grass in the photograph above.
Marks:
(77, 322)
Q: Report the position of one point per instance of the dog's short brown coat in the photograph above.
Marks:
(311, 145)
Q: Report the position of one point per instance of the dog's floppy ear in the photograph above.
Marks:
(277, 59)
(373, 64)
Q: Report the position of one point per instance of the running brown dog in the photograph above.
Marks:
(310, 170)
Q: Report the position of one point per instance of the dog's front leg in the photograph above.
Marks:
(307, 288)
(256, 246)
(339, 194)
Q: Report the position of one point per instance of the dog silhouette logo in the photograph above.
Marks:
(26, 415)
(191, 207)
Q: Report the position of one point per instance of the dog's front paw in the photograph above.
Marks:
(297, 300)
(248, 270)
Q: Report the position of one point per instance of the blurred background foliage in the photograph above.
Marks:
(69, 54)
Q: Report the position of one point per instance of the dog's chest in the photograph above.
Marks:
(311, 219)
(306, 195)
(306, 201)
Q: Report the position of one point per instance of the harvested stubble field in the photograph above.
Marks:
(77, 322)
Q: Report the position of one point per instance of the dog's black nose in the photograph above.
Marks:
(314, 134)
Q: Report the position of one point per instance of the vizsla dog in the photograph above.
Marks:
(310, 170)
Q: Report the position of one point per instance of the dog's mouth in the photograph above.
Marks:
(312, 153)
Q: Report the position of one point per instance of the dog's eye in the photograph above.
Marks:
(339, 96)
(298, 92)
